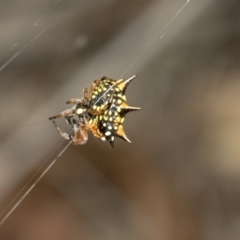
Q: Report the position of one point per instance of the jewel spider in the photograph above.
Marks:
(101, 110)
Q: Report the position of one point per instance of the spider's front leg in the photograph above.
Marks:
(92, 128)
(63, 134)
(92, 88)
(77, 100)
(74, 101)
(62, 114)
(81, 136)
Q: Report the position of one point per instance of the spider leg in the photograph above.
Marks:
(73, 101)
(92, 87)
(105, 78)
(63, 134)
(77, 100)
(85, 93)
(62, 114)
(81, 136)
(93, 128)
(87, 124)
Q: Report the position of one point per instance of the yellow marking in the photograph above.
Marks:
(110, 112)
(119, 101)
(94, 107)
(103, 138)
(108, 95)
(117, 89)
(93, 96)
(110, 127)
(119, 95)
(124, 97)
(115, 113)
(115, 127)
(105, 118)
(112, 138)
(104, 124)
(122, 120)
(110, 119)
(118, 109)
(100, 117)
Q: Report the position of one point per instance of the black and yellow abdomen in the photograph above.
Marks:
(110, 107)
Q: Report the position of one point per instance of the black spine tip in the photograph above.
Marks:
(111, 144)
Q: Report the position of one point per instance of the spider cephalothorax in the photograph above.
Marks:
(102, 112)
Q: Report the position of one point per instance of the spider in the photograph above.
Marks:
(101, 111)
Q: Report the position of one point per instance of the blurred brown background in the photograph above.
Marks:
(179, 179)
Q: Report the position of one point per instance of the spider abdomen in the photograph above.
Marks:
(107, 122)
